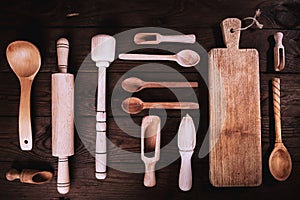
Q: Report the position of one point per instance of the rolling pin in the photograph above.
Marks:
(62, 116)
(103, 53)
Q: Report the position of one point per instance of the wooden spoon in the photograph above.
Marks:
(134, 105)
(280, 162)
(185, 58)
(134, 84)
(25, 60)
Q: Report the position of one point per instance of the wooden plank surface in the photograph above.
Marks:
(235, 130)
(44, 22)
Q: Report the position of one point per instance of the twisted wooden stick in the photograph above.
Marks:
(276, 107)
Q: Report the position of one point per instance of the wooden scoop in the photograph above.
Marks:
(185, 58)
(150, 139)
(134, 105)
(156, 38)
(279, 54)
(25, 60)
(280, 162)
(29, 176)
(134, 84)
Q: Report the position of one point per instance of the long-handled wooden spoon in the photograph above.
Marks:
(280, 162)
(134, 84)
(134, 105)
(185, 58)
(25, 60)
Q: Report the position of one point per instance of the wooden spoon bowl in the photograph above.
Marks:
(187, 58)
(132, 105)
(24, 58)
(280, 162)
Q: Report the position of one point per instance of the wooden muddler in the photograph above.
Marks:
(103, 53)
(62, 116)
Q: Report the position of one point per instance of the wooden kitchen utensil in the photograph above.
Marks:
(156, 38)
(134, 84)
(235, 129)
(62, 116)
(150, 139)
(185, 58)
(134, 105)
(279, 54)
(25, 60)
(103, 53)
(29, 176)
(186, 145)
(280, 162)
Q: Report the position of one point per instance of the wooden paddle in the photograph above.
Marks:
(235, 127)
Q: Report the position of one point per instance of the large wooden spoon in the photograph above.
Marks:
(185, 58)
(134, 84)
(25, 60)
(134, 105)
(280, 162)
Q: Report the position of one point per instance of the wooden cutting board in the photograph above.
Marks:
(235, 130)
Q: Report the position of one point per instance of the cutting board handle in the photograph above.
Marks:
(231, 35)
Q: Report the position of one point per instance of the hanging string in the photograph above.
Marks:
(254, 21)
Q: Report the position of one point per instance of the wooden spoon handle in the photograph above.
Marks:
(25, 132)
(170, 84)
(171, 105)
(185, 174)
(146, 57)
(276, 107)
(63, 179)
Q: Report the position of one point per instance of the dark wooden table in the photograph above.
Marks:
(43, 23)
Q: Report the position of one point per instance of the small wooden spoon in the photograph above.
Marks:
(134, 105)
(25, 60)
(280, 162)
(185, 58)
(134, 84)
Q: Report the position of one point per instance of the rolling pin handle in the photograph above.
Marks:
(62, 54)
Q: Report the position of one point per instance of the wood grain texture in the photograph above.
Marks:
(42, 23)
(235, 129)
